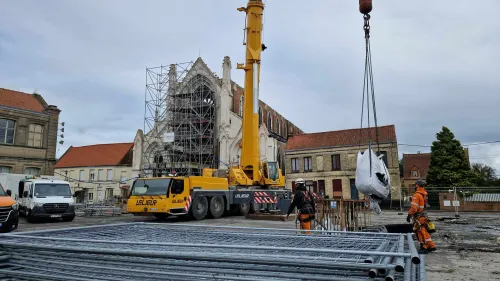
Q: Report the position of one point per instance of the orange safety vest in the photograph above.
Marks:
(418, 202)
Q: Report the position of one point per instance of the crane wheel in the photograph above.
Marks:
(244, 209)
(216, 206)
(199, 207)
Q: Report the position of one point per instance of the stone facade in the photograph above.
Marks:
(228, 99)
(322, 169)
(336, 181)
(114, 183)
(97, 173)
(23, 155)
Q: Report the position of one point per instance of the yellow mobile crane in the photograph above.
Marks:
(252, 182)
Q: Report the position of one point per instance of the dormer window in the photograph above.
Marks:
(414, 173)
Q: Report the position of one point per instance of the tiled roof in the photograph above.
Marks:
(94, 155)
(20, 100)
(351, 137)
(421, 161)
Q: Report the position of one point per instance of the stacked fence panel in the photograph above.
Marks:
(150, 251)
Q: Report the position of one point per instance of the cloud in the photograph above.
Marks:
(434, 63)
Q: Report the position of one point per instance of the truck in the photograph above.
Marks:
(199, 197)
(44, 198)
(9, 211)
(250, 185)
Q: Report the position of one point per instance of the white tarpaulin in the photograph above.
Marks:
(372, 177)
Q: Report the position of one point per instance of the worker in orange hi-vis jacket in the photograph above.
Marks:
(417, 212)
(304, 201)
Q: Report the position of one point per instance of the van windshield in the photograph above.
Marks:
(52, 189)
(151, 186)
(2, 192)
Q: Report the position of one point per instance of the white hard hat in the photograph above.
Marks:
(300, 180)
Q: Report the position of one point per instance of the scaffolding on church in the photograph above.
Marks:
(179, 121)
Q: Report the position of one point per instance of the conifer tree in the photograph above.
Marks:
(449, 165)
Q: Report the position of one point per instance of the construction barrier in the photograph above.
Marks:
(97, 209)
(342, 215)
(159, 251)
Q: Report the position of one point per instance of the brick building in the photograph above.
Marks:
(415, 167)
(28, 133)
(327, 160)
(97, 172)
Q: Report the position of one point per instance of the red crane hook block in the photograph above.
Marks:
(365, 6)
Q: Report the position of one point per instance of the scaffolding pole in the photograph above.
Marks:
(179, 121)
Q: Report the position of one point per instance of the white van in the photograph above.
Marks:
(46, 198)
(11, 181)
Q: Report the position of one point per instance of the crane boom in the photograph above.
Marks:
(250, 136)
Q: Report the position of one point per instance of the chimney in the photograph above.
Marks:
(53, 111)
(226, 70)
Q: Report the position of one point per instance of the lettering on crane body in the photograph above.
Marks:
(242, 195)
(147, 202)
(177, 201)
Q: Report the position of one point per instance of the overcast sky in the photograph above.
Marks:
(435, 63)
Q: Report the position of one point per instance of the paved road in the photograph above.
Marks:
(86, 221)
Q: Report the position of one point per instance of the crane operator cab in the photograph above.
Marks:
(272, 173)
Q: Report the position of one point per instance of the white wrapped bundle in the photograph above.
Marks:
(372, 180)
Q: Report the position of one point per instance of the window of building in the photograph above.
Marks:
(5, 169)
(123, 176)
(295, 165)
(308, 164)
(337, 188)
(261, 115)
(90, 196)
(311, 186)
(384, 157)
(109, 176)
(7, 129)
(240, 111)
(321, 187)
(278, 126)
(32, 171)
(82, 175)
(336, 162)
(337, 185)
(91, 175)
(269, 121)
(100, 174)
(35, 135)
(109, 193)
(414, 173)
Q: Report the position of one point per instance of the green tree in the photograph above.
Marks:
(449, 165)
(485, 174)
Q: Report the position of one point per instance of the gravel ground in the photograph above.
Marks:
(467, 246)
